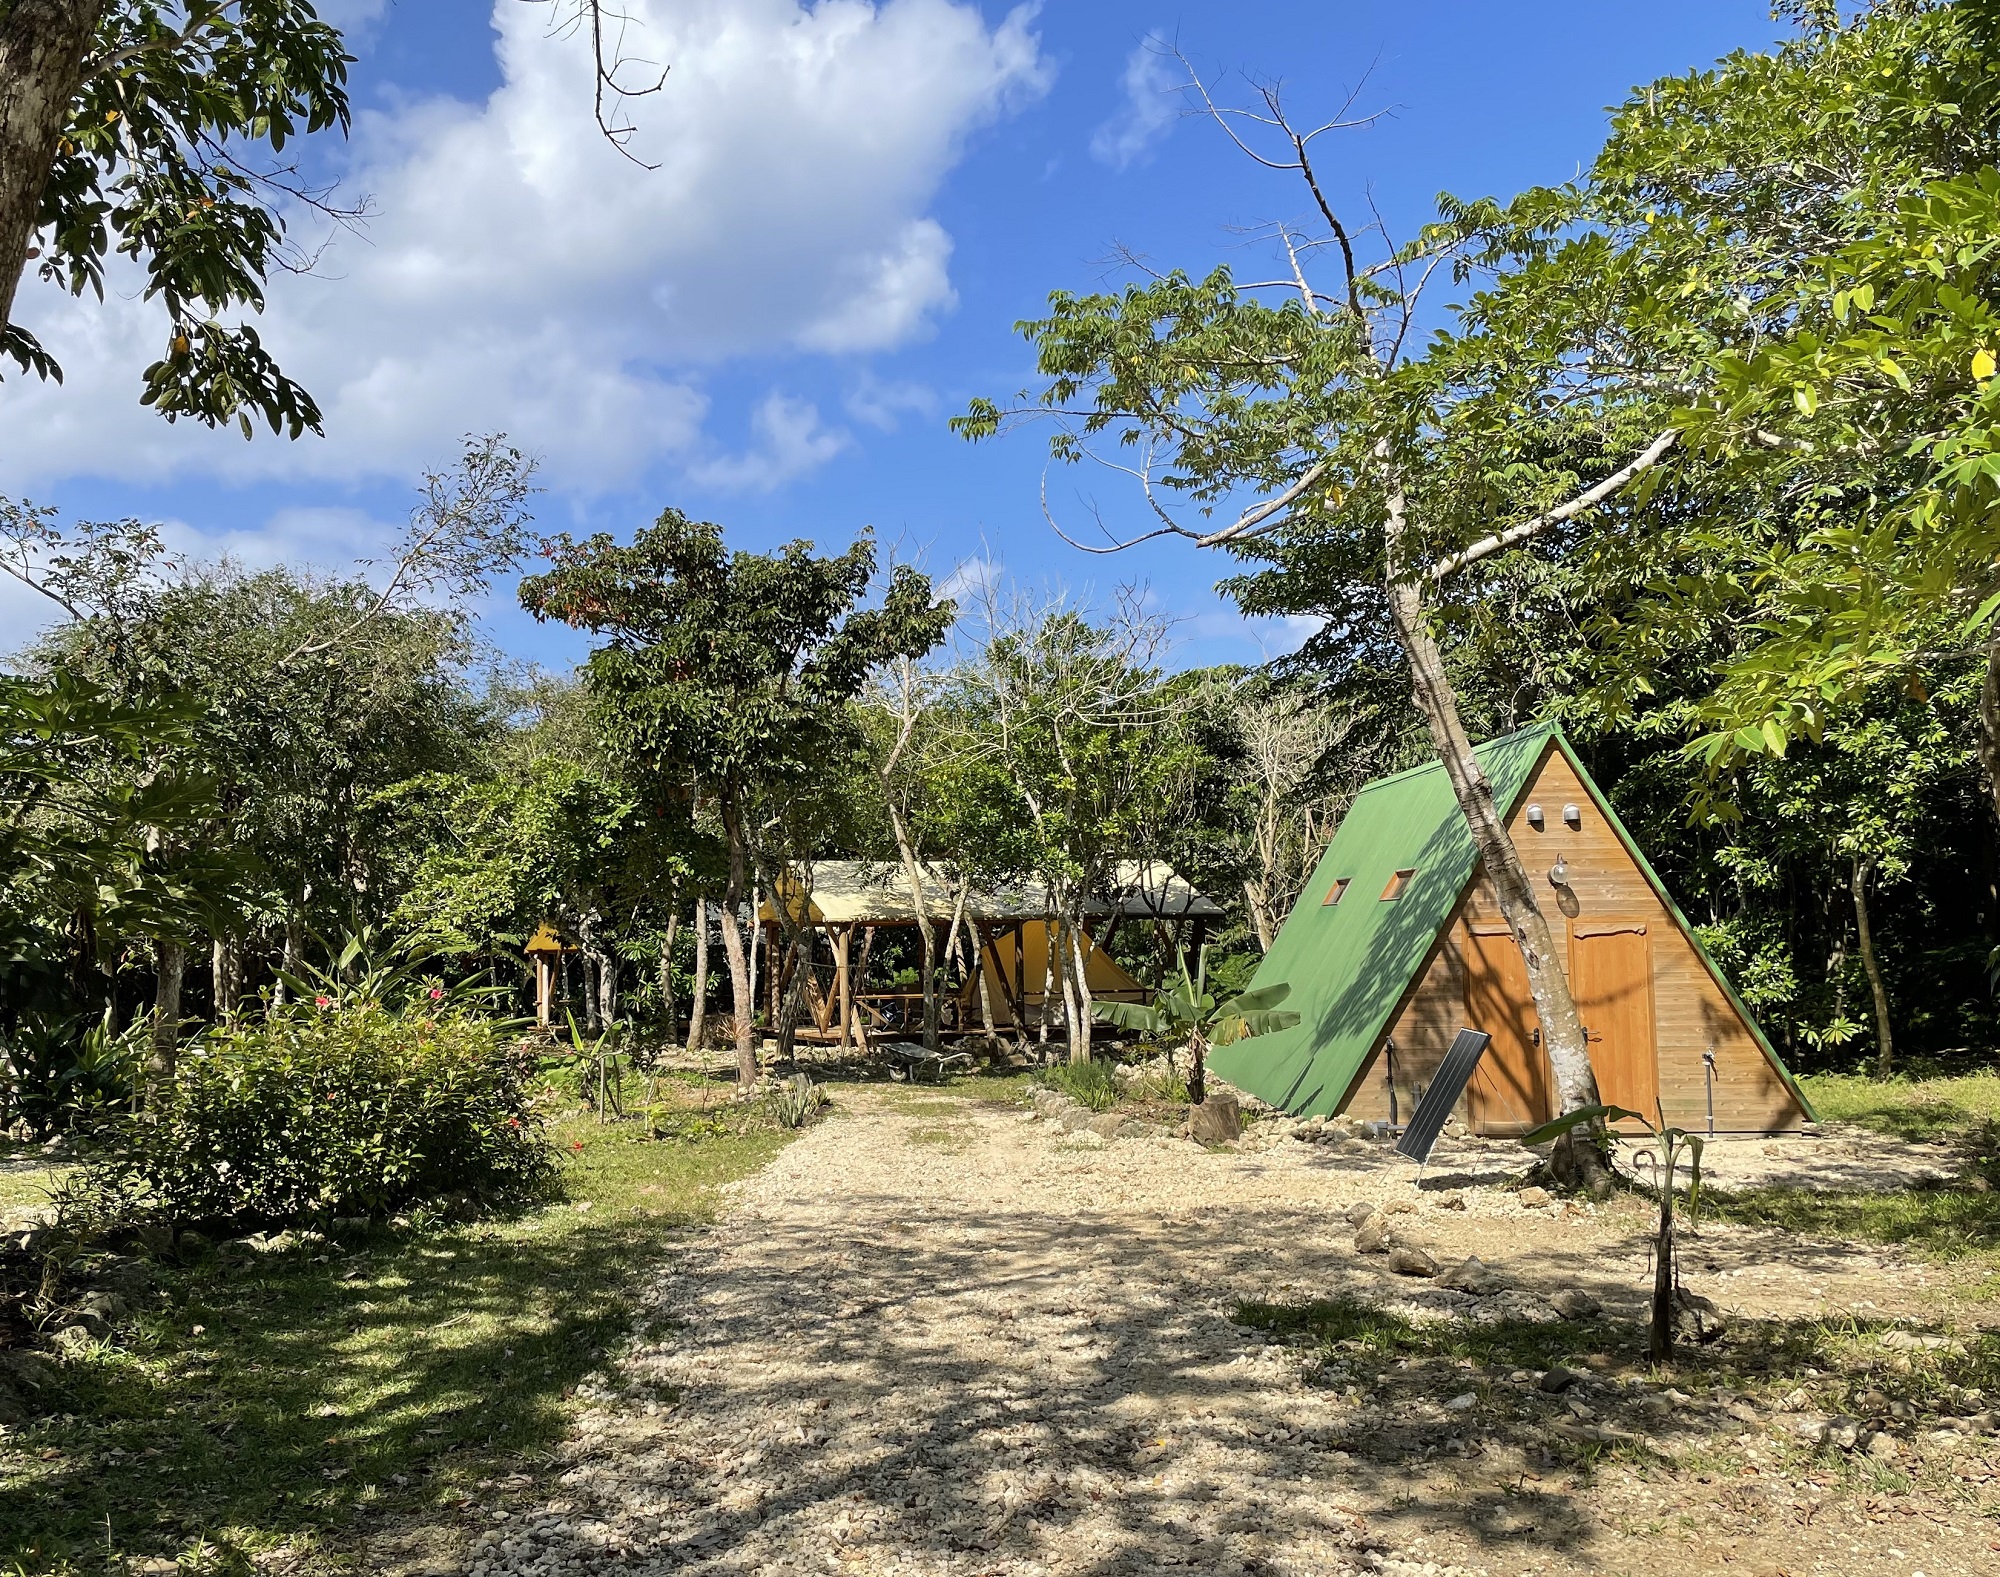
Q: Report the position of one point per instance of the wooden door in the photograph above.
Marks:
(1509, 1092)
(1611, 976)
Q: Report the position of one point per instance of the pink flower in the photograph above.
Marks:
(513, 1122)
(577, 1145)
(322, 1002)
(437, 993)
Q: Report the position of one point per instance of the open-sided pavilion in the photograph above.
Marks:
(856, 902)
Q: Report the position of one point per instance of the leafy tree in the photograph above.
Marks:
(300, 700)
(167, 131)
(1790, 260)
(1285, 420)
(98, 854)
(1100, 749)
(162, 129)
(729, 676)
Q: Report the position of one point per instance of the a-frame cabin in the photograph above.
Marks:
(1397, 943)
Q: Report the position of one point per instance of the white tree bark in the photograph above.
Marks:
(698, 1008)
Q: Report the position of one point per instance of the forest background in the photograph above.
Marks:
(1774, 652)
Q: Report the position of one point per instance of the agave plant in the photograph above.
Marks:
(795, 1102)
(1187, 1010)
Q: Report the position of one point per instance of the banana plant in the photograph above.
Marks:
(1188, 1010)
(1668, 1294)
(603, 1053)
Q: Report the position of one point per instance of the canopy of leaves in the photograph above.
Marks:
(181, 154)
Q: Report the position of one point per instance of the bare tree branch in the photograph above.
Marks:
(609, 63)
(471, 524)
(1260, 518)
(1486, 547)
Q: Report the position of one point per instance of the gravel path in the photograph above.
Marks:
(934, 1337)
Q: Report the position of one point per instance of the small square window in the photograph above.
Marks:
(1397, 883)
(1335, 893)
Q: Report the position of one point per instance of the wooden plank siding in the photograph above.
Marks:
(1690, 1011)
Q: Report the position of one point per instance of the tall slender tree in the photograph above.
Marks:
(729, 677)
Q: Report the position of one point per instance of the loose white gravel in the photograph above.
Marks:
(942, 1338)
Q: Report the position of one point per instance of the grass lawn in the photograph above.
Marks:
(263, 1400)
(1961, 1223)
(1909, 1108)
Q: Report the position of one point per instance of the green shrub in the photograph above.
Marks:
(327, 1111)
(1087, 1083)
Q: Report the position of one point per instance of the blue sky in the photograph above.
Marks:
(853, 205)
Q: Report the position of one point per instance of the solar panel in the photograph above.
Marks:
(1434, 1110)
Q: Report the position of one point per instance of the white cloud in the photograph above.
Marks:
(883, 403)
(1152, 104)
(330, 539)
(791, 442)
(521, 274)
(974, 579)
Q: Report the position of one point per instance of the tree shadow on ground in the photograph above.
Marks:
(1028, 1383)
(292, 1397)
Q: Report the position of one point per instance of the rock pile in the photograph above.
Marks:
(1079, 1121)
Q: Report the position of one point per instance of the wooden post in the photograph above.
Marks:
(545, 989)
(844, 985)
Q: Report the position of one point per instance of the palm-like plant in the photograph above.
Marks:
(1188, 1010)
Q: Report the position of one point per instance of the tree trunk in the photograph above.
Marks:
(1661, 1339)
(698, 1008)
(226, 977)
(1078, 994)
(1885, 1062)
(1048, 978)
(1576, 1160)
(1253, 899)
(1197, 1069)
(913, 874)
(42, 48)
(955, 949)
(607, 988)
(172, 966)
(980, 943)
(796, 975)
(1989, 716)
(288, 959)
(667, 1005)
(743, 999)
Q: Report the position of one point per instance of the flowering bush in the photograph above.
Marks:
(329, 1110)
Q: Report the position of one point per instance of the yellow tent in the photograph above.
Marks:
(1018, 978)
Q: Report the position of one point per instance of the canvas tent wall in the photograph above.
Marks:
(1397, 943)
(1020, 983)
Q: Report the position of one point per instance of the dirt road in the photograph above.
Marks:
(937, 1337)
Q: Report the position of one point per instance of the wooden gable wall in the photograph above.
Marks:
(1691, 1012)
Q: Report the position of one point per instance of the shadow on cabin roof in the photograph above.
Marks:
(875, 892)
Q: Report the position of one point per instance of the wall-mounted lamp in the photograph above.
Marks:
(1535, 817)
(1559, 873)
(1572, 818)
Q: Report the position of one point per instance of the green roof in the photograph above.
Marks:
(1350, 963)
